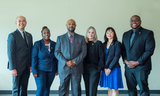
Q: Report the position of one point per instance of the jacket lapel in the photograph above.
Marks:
(128, 38)
(138, 32)
(44, 47)
(20, 36)
(91, 47)
(51, 47)
(110, 47)
(66, 38)
(28, 39)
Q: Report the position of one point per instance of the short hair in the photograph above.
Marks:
(114, 38)
(137, 16)
(95, 35)
(44, 27)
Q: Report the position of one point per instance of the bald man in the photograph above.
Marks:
(70, 51)
(19, 46)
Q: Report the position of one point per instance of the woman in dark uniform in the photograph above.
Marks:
(93, 62)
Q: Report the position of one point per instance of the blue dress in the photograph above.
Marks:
(113, 80)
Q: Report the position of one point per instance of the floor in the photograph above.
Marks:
(82, 95)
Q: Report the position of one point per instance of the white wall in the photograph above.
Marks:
(98, 13)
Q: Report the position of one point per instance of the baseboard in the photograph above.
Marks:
(83, 92)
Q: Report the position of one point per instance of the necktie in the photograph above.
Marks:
(25, 39)
(71, 39)
(132, 37)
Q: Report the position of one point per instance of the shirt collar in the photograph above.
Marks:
(138, 30)
(21, 31)
(70, 35)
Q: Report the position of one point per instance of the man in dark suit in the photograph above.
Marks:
(19, 46)
(138, 46)
(70, 50)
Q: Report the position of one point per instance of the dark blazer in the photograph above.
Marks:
(114, 53)
(96, 55)
(42, 59)
(141, 50)
(19, 55)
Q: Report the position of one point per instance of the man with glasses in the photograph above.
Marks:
(138, 46)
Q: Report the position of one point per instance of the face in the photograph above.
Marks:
(110, 34)
(71, 25)
(91, 34)
(46, 34)
(135, 23)
(21, 22)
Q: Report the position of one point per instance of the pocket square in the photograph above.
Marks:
(77, 43)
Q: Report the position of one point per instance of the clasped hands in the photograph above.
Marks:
(70, 63)
(131, 64)
(107, 71)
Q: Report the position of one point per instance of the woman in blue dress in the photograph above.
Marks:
(111, 75)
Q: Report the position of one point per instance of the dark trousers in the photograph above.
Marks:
(91, 78)
(20, 83)
(43, 82)
(75, 85)
(137, 77)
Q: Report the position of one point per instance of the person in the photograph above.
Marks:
(70, 52)
(138, 46)
(19, 47)
(44, 63)
(111, 76)
(93, 62)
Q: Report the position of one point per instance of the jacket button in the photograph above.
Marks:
(46, 64)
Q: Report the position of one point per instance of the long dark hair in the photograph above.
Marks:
(114, 38)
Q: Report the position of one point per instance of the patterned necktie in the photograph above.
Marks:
(25, 38)
(71, 39)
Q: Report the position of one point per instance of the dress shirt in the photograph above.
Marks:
(22, 34)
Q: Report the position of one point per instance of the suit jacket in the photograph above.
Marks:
(112, 57)
(19, 55)
(66, 51)
(96, 56)
(141, 49)
(42, 59)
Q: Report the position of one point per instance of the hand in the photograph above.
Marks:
(131, 64)
(134, 63)
(69, 63)
(35, 75)
(126, 62)
(30, 69)
(56, 74)
(14, 72)
(107, 72)
(73, 63)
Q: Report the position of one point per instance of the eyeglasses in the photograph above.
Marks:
(134, 20)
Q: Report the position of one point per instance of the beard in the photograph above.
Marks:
(136, 27)
(70, 29)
